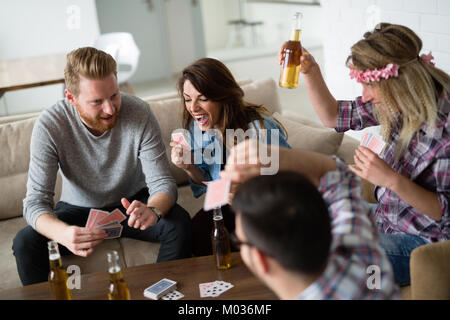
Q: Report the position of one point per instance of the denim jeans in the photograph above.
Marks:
(398, 248)
(173, 232)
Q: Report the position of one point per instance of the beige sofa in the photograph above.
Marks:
(15, 132)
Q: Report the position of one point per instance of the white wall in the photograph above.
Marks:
(184, 40)
(147, 25)
(278, 22)
(215, 15)
(276, 17)
(32, 28)
(347, 20)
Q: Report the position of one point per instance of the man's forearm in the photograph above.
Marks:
(311, 164)
(50, 226)
(162, 201)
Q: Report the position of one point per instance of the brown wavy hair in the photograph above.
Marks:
(215, 81)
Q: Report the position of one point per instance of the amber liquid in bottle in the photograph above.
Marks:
(290, 71)
(57, 276)
(118, 288)
(220, 242)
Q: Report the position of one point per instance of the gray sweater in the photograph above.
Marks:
(96, 171)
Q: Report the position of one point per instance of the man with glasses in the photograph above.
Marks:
(306, 231)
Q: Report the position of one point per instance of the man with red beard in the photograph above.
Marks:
(110, 154)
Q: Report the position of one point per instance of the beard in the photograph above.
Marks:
(96, 124)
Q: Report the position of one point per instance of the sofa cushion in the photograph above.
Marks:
(18, 117)
(347, 149)
(15, 140)
(429, 265)
(9, 277)
(263, 92)
(15, 144)
(309, 135)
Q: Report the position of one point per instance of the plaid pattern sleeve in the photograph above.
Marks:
(355, 115)
(427, 163)
(441, 171)
(356, 260)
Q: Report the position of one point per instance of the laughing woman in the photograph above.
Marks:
(213, 103)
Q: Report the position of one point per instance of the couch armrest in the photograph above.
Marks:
(368, 191)
(430, 276)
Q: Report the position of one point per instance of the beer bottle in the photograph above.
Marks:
(118, 288)
(57, 277)
(290, 68)
(220, 242)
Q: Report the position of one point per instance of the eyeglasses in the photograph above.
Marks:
(237, 243)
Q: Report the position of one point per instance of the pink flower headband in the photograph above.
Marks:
(390, 71)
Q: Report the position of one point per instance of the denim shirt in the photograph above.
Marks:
(210, 162)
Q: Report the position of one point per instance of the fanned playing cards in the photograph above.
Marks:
(108, 221)
(214, 289)
(373, 142)
(182, 139)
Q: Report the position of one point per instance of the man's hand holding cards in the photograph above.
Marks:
(108, 221)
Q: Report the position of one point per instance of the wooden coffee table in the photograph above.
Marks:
(188, 273)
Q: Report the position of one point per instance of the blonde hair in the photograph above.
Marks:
(410, 100)
(87, 62)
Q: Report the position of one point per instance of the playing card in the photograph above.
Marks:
(364, 139)
(114, 223)
(205, 289)
(160, 289)
(375, 144)
(173, 295)
(115, 215)
(214, 289)
(180, 138)
(224, 285)
(217, 194)
(94, 216)
(113, 231)
(220, 287)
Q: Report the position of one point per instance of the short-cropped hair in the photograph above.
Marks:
(285, 216)
(90, 63)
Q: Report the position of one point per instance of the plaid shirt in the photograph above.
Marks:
(426, 162)
(355, 248)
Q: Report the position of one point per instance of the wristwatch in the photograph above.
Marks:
(156, 211)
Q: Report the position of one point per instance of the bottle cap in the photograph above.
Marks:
(112, 256)
(52, 245)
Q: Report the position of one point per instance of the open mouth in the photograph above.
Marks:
(202, 119)
(107, 119)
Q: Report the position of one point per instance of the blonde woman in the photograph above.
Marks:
(409, 97)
